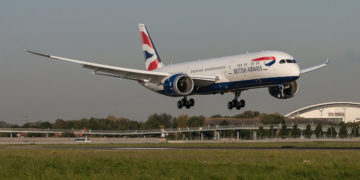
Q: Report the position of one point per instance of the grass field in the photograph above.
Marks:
(305, 144)
(179, 164)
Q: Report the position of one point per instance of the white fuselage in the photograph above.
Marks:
(245, 71)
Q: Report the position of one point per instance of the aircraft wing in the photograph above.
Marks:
(314, 67)
(127, 73)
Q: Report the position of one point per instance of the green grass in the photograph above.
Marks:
(309, 144)
(179, 164)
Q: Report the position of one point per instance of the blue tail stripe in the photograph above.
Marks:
(148, 55)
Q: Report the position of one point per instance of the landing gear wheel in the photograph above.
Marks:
(234, 103)
(238, 106)
(230, 106)
(183, 101)
(191, 102)
(242, 103)
(187, 105)
(179, 104)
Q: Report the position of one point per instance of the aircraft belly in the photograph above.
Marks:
(244, 84)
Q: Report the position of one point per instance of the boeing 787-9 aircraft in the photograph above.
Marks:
(275, 70)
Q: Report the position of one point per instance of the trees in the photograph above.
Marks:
(295, 132)
(216, 116)
(196, 121)
(331, 132)
(4, 124)
(318, 131)
(343, 133)
(284, 133)
(271, 132)
(92, 123)
(156, 121)
(45, 125)
(248, 114)
(308, 131)
(181, 121)
(134, 124)
(224, 123)
(272, 119)
(355, 131)
(59, 124)
(261, 132)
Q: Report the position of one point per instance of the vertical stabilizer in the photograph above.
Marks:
(152, 59)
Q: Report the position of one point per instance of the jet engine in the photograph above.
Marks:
(178, 85)
(284, 91)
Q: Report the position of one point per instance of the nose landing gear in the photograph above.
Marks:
(186, 103)
(235, 103)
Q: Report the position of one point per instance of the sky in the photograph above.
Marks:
(34, 88)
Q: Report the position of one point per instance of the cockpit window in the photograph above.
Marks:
(294, 61)
(289, 61)
(282, 61)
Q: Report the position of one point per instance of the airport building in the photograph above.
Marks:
(332, 111)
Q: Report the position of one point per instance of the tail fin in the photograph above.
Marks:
(152, 59)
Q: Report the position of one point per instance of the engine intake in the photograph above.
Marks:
(179, 85)
(284, 91)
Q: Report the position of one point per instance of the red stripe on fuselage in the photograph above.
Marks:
(145, 39)
(264, 58)
(153, 65)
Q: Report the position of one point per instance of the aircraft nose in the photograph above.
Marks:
(296, 71)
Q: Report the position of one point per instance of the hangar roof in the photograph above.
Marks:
(322, 106)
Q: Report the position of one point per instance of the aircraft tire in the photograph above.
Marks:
(187, 105)
(242, 103)
(179, 104)
(183, 102)
(191, 102)
(234, 103)
(238, 106)
(230, 105)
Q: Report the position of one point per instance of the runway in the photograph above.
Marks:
(178, 148)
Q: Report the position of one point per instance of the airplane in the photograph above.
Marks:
(275, 70)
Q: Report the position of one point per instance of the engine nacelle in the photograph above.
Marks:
(179, 85)
(284, 91)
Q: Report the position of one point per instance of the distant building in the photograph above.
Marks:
(331, 111)
(301, 120)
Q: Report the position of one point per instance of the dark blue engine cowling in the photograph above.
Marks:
(178, 85)
(284, 91)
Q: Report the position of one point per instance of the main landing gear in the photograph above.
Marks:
(235, 103)
(187, 103)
